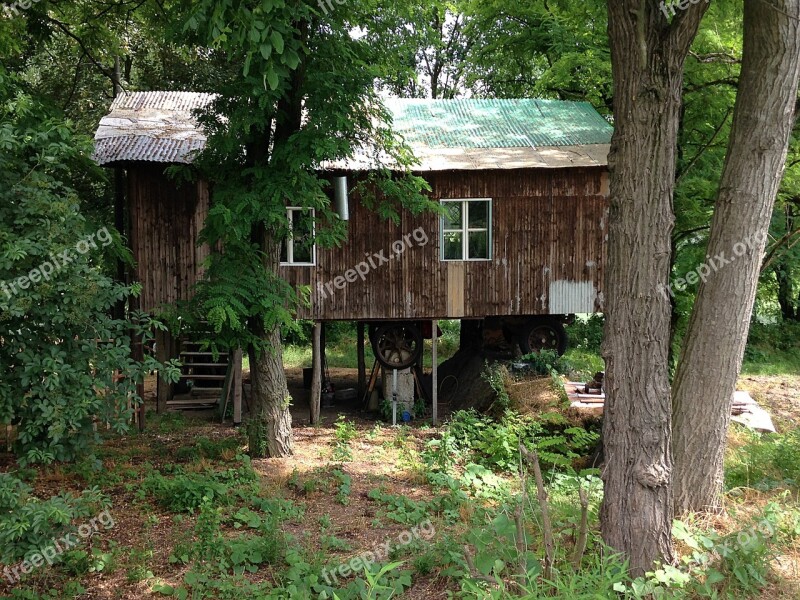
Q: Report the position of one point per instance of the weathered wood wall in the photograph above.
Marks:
(165, 222)
(549, 229)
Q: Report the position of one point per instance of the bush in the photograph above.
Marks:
(28, 523)
(494, 444)
(187, 492)
(59, 349)
(587, 334)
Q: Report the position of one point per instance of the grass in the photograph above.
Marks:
(341, 347)
(194, 514)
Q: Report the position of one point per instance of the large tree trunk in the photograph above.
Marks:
(715, 340)
(647, 55)
(270, 427)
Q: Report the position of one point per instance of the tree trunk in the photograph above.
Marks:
(270, 428)
(717, 333)
(647, 55)
(786, 299)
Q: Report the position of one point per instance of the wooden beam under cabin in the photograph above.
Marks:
(362, 364)
(316, 379)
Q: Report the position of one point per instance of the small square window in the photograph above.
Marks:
(467, 229)
(298, 248)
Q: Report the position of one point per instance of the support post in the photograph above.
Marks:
(394, 397)
(236, 381)
(362, 363)
(316, 379)
(435, 372)
(137, 354)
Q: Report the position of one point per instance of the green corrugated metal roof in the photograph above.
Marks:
(498, 123)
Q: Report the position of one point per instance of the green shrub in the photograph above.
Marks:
(494, 443)
(184, 493)
(546, 362)
(28, 523)
(765, 461)
(587, 334)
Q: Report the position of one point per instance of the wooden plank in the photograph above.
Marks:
(455, 289)
(548, 225)
(435, 372)
(362, 365)
(316, 380)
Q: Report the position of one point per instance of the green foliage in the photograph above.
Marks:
(773, 348)
(586, 333)
(731, 566)
(281, 64)
(344, 488)
(344, 432)
(546, 362)
(60, 348)
(83, 562)
(28, 523)
(203, 447)
(186, 492)
(495, 375)
(494, 443)
(765, 461)
(400, 508)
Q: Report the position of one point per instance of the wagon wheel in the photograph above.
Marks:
(397, 345)
(543, 335)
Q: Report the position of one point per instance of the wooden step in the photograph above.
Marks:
(194, 364)
(203, 354)
(193, 402)
(206, 390)
(205, 377)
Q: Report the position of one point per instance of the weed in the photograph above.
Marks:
(344, 488)
(344, 433)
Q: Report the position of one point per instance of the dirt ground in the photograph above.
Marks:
(377, 461)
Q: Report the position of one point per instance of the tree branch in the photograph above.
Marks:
(716, 57)
(63, 27)
(705, 146)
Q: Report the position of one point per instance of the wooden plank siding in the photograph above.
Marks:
(165, 221)
(549, 229)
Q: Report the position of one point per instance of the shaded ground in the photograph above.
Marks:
(145, 535)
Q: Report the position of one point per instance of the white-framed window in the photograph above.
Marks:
(466, 227)
(298, 248)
